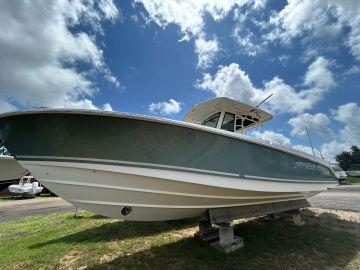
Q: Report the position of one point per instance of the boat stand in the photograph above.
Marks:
(227, 242)
(207, 232)
(293, 217)
(223, 238)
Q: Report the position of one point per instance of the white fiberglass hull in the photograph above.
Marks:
(158, 194)
(10, 169)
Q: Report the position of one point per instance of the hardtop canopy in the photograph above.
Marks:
(243, 112)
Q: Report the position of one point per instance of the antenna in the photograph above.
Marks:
(312, 148)
(264, 100)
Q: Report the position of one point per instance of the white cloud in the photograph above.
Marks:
(345, 114)
(349, 15)
(319, 74)
(286, 98)
(352, 70)
(348, 115)
(248, 42)
(259, 4)
(39, 54)
(166, 107)
(86, 104)
(231, 81)
(206, 51)
(333, 148)
(109, 9)
(284, 59)
(316, 20)
(280, 139)
(348, 135)
(272, 137)
(298, 17)
(307, 149)
(317, 124)
(189, 16)
(6, 106)
(107, 107)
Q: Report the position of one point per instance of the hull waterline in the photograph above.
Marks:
(137, 168)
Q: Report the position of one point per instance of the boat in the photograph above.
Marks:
(339, 172)
(26, 186)
(136, 167)
(10, 171)
(355, 174)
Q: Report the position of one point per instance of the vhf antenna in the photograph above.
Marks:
(312, 148)
(264, 100)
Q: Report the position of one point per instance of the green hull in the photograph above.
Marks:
(114, 139)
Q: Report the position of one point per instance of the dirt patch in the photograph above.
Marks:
(106, 258)
(69, 260)
(184, 233)
(19, 266)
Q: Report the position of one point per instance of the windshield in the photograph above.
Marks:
(212, 120)
(228, 122)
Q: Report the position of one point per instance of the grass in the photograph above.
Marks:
(351, 181)
(62, 241)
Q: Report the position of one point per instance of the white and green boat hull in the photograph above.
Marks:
(140, 168)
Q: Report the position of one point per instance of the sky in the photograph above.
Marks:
(162, 57)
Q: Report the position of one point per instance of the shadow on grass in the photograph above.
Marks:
(117, 231)
(268, 245)
(79, 216)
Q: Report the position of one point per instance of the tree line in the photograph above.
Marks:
(349, 160)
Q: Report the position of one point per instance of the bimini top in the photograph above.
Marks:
(228, 114)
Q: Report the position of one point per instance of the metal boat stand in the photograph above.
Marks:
(223, 238)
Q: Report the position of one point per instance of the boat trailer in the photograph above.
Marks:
(223, 238)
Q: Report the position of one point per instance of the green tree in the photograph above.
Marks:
(349, 160)
(355, 156)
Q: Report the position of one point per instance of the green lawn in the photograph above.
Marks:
(351, 181)
(62, 241)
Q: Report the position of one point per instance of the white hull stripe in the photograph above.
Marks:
(181, 206)
(121, 162)
(61, 182)
(160, 166)
(285, 180)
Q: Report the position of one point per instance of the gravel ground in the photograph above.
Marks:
(16, 209)
(340, 198)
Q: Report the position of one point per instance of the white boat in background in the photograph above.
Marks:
(137, 167)
(10, 171)
(353, 173)
(339, 172)
(26, 186)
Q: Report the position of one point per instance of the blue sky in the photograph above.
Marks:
(162, 57)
